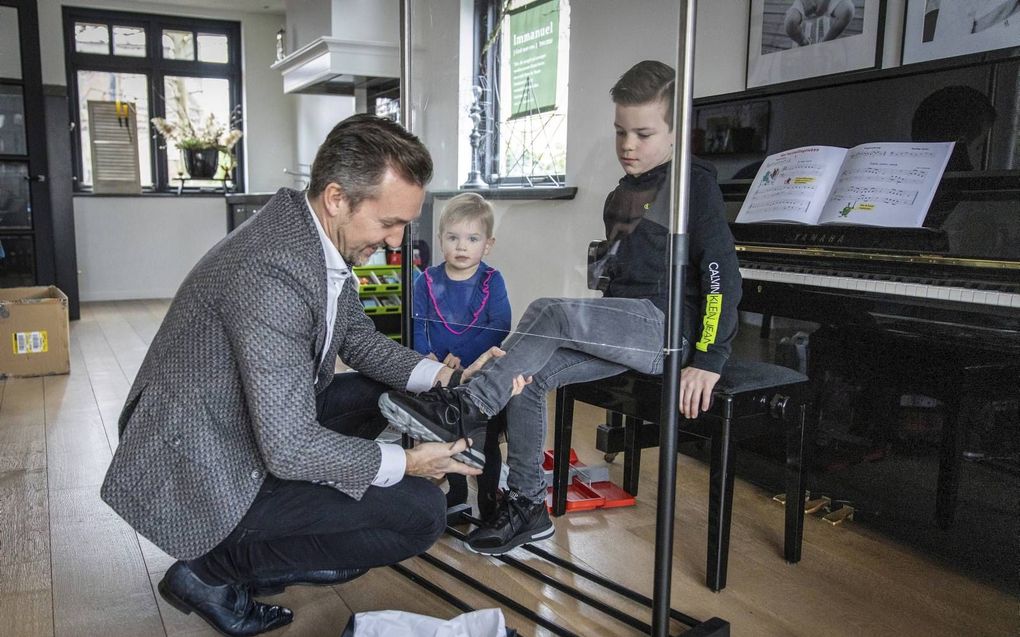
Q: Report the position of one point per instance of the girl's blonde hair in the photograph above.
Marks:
(467, 206)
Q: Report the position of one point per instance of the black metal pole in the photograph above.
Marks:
(670, 415)
(407, 252)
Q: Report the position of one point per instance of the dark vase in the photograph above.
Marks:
(202, 163)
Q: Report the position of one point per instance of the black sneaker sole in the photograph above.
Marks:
(408, 423)
(517, 540)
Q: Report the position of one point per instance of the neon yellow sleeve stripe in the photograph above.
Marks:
(710, 323)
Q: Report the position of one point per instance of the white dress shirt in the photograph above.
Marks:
(423, 376)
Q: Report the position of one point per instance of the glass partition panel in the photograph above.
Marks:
(572, 276)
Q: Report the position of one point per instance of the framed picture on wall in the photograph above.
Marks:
(797, 39)
(936, 29)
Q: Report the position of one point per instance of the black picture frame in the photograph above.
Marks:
(787, 41)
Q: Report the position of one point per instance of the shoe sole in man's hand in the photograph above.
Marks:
(420, 429)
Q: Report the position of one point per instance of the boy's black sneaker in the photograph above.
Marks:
(437, 415)
(517, 521)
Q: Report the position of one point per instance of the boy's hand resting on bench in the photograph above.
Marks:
(696, 390)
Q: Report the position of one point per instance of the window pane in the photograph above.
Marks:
(10, 44)
(12, 121)
(91, 38)
(212, 48)
(17, 261)
(129, 41)
(178, 45)
(533, 107)
(15, 207)
(190, 101)
(127, 87)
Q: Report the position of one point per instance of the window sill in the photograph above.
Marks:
(512, 194)
(145, 195)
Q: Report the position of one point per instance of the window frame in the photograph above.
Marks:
(486, 15)
(155, 68)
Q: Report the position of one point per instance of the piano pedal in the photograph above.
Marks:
(810, 505)
(840, 515)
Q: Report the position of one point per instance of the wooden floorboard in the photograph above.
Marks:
(70, 566)
(25, 587)
(90, 543)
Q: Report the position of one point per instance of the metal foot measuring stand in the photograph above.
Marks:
(660, 603)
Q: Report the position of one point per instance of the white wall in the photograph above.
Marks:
(132, 251)
(141, 247)
(316, 115)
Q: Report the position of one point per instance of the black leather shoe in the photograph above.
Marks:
(229, 608)
(437, 415)
(275, 585)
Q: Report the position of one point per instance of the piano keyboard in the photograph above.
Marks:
(938, 292)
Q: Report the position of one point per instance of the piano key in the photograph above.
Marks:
(894, 288)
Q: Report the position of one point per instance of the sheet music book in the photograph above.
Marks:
(888, 184)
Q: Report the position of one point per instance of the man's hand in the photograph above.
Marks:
(696, 390)
(443, 376)
(434, 460)
(451, 361)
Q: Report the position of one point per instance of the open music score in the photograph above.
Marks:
(887, 184)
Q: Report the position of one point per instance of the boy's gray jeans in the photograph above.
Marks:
(560, 342)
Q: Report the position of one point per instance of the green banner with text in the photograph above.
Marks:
(534, 43)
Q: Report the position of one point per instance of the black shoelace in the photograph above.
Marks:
(505, 515)
(448, 397)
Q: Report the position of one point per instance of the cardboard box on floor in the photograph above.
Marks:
(34, 339)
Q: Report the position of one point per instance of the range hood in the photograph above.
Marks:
(338, 66)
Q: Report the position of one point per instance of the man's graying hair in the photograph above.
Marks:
(357, 153)
(647, 81)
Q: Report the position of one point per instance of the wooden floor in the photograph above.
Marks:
(70, 566)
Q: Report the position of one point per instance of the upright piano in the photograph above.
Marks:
(932, 310)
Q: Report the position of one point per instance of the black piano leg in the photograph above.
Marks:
(766, 325)
(631, 453)
(720, 506)
(949, 462)
(794, 528)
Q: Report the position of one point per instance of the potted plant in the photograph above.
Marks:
(207, 150)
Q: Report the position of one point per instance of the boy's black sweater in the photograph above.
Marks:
(637, 215)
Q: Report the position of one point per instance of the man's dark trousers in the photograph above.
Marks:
(295, 526)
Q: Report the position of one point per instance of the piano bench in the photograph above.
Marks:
(750, 399)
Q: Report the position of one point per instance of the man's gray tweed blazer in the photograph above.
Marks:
(227, 389)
